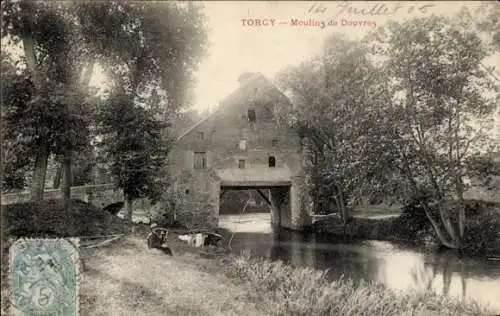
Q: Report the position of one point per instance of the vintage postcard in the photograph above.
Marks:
(250, 157)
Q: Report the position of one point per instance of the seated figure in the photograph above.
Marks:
(157, 238)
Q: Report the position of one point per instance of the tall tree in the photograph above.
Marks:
(151, 62)
(135, 148)
(47, 119)
(337, 97)
(440, 113)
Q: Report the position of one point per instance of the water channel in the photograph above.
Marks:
(398, 267)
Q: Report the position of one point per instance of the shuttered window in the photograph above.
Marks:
(200, 160)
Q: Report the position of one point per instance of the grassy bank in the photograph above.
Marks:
(127, 278)
(303, 291)
(413, 226)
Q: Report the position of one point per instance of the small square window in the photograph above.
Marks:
(275, 142)
(187, 191)
(243, 144)
(199, 135)
(241, 164)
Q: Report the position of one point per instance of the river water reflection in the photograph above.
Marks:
(397, 267)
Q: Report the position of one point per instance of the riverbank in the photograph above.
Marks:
(125, 277)
(412, 226)
(128, 278)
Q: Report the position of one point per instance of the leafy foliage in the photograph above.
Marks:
(406, 112)
(150, 50)
(336, 108)
(134, 147)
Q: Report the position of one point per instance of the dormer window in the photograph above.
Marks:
(251, 116)
(272, 162)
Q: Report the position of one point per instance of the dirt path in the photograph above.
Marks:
(130, 279)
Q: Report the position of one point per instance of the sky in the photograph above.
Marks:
(237, 47)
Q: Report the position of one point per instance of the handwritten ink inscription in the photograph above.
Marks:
(367, 9)
(43, 277)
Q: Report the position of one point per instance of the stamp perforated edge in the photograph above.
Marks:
(73, 242)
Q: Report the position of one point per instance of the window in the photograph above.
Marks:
(200, 160)
(275, 142)
(272, 162)
(199, 135)
(243, 144)
(251, 116)
(187, 191)
(241, 164)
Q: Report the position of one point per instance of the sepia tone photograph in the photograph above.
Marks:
(250, 158)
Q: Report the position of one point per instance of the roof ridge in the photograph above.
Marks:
(258, 75)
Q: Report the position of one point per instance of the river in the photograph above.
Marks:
(397, 267)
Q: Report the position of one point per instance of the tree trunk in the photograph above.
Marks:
(343, 208)
(339, 201)
(442, 238)
(58, 176)
(42, 156)
(461, 209)
(445, 217)
(39, 172)
(68, 181)
(128, 208)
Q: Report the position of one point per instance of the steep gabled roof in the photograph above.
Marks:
(254, 77)
(189, 130)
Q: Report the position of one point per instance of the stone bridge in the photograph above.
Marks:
(100, 195)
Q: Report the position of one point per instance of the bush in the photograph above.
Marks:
(413, 218)
(482, 233)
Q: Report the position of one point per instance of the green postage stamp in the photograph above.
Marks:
(43, 276)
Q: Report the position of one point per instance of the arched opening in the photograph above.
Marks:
(272, 162)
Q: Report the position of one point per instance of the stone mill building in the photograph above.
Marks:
(241, 146)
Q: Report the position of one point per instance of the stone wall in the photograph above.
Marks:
(199, 205)
(228, 136)
(99, 195)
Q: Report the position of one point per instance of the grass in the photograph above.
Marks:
(305, 291)
(127, 278)
(49, 219)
